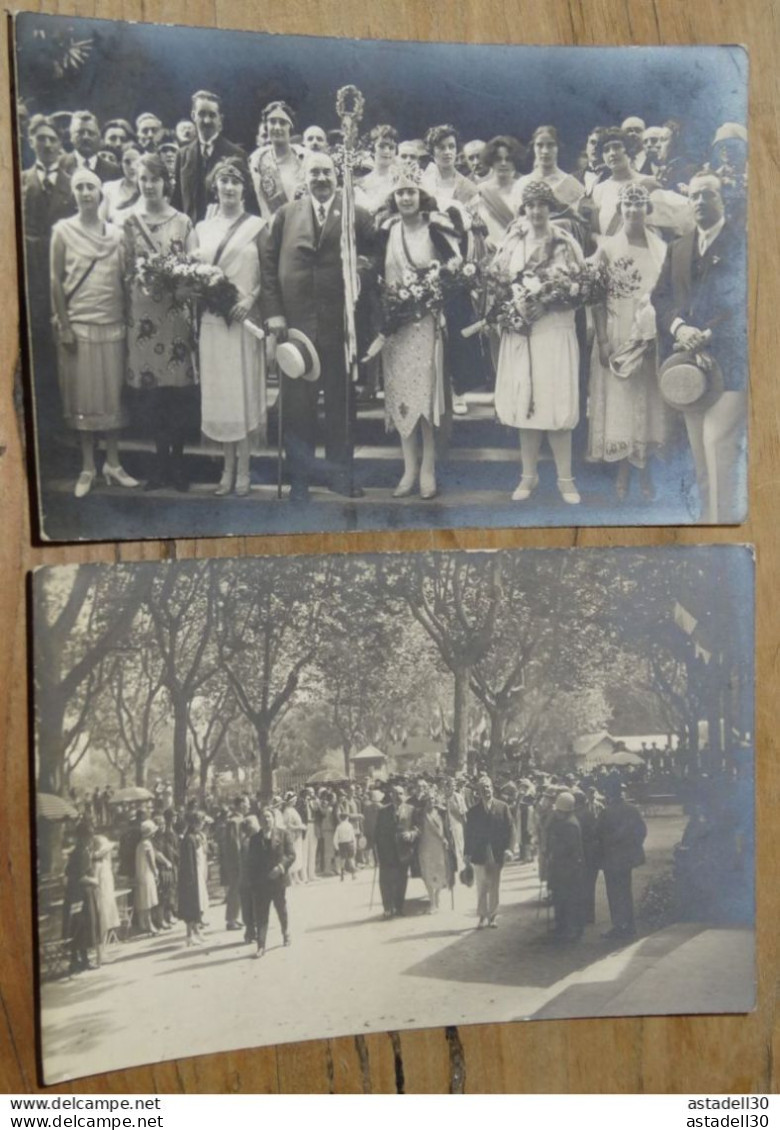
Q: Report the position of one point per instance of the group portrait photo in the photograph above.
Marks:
(290, 798)
(283, 284)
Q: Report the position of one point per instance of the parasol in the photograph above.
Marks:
(51, 807)
(326, 777)
(134, 792)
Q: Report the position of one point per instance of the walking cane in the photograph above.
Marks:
(373, 884)
(257, 332)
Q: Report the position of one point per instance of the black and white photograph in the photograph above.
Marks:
(280, 799)
(286, 284)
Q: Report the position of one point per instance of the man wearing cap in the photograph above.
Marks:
(395, 837)
(303, 289)
(700, 301)
(489, 844)
(620, 834)
(195, 161)
(565, 869)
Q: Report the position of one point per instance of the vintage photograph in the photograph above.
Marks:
(281, 799)
(287, 284)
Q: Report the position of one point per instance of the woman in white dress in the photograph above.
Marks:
(627, 417)
(567, 188)
(412, 356)
(538, 372)
(276, 167)
(372, 190)
(145, 897)
(232, 361)
(108, 913)
(612, 149)
(87, 267)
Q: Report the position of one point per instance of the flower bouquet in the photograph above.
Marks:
(514, 303)
(186, 278)
(420, 292)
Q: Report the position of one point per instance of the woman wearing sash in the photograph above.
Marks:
(538, 371)
(231, 359)
(495, 204)
(612, 149)
(119, 196)
(412, 356)
(160, 365)
(276, 167)
(87, 265)
(627, 417)
(567, 188)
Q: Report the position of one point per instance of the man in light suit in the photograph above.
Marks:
(195, 161)
(303, 288)
(701, 303)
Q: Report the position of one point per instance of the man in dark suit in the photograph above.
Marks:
(620, 835)
(46, 198)
(86, 141)
(701, 303)
(489, 844)
(394, 837)
(271, 855)
(194, 162)
(303, 288)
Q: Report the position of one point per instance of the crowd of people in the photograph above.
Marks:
(98, 201)
(178, 864)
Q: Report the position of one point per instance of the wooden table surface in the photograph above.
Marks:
(676, 1054)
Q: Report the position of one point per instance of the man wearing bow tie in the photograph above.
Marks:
(701, 304)
(303, 288)
(195, 161)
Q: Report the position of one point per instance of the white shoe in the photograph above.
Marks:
(569, 492)
(525, 488)
(459, 406)
(84, 483)
(119, 476)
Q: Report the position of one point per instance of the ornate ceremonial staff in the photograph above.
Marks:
(350, 104)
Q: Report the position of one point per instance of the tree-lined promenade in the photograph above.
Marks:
(267, 663)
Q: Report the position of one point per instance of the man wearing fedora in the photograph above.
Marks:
(303, 290)
(700, 301)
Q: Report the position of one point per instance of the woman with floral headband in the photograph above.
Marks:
(538, 369)
(627, 418)
(412, 353)
(276, 166)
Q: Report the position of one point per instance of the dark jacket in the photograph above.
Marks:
(190, 194)
(488, 828)
(621, 832)
(707, 292)
(302, 273)
(269, 860)
(42, 208)
(104, 169)
(189, 904)
(395, 835)
(565, 859)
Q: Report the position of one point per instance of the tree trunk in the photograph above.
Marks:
(180, 752)
(266, 762)
(496, 746)
(204, 774)
(140, 772)
(51, 744)
(347, 764)
(460, 724)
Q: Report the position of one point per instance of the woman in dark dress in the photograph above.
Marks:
(190, 908)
